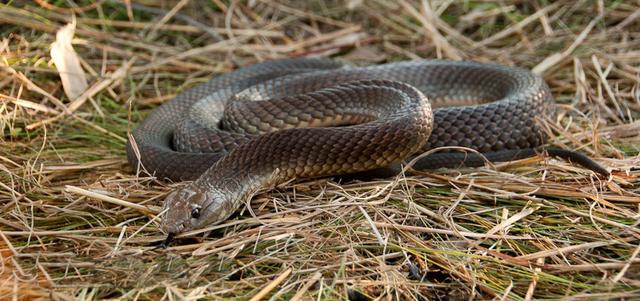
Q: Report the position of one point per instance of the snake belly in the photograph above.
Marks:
(306, 117)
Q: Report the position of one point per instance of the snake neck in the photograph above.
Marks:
(237, 182)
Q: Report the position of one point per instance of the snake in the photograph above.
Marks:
(298, 118)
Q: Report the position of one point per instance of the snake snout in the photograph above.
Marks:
(177, 207)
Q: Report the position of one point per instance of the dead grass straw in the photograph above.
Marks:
(77, 223)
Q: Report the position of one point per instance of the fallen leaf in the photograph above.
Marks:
(366, 54)
(74, 80)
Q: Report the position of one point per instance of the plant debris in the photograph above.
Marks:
(78, 223)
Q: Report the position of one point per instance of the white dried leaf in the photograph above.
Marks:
(74, 80)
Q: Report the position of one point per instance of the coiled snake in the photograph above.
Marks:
(277, 114)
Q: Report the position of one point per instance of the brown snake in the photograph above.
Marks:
(270, 122)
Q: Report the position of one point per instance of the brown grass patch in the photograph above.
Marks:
(76, 222)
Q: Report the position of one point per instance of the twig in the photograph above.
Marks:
(262, 293)
(102, 197)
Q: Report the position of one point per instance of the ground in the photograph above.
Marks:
(78, 223)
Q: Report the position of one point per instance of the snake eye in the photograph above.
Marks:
(195, 212)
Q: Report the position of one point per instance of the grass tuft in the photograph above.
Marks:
(77, 223)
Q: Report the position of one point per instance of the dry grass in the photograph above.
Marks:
(77, 223)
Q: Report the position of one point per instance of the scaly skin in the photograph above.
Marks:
(403, 116)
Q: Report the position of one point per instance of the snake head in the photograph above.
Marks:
(190, 208)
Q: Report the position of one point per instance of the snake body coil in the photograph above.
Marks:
(269, 122)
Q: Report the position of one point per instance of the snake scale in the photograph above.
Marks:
(308, 117)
